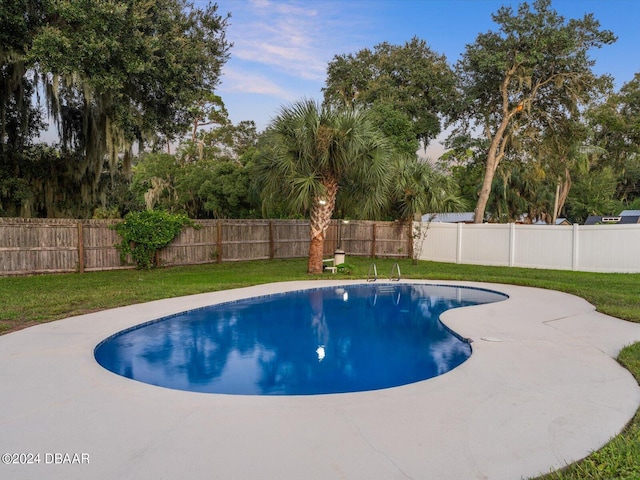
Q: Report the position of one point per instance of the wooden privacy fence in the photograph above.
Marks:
(29, 246)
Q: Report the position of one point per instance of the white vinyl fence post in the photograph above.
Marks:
(512, 244)
(459, 244)
(575, 259)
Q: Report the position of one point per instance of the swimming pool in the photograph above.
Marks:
(317, 341)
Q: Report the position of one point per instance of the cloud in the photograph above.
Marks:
(290, 37)
(281, 49)
(260, 3)
(243, 81)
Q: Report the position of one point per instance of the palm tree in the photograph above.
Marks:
(420, 188)
(313, 151)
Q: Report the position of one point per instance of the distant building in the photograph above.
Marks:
(559, 221)
(630, 213)
(625, 217)
(524, 220)
(455, 217)
(467, 217)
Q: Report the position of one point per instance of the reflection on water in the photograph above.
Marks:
(326, 340)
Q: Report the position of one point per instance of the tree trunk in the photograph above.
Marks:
(497, 148)
(321, 212)
(562, 192)
(496, 152)
(554, 217)
(485, 191)
(316, 249)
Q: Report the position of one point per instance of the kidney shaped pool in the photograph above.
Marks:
(318, 341)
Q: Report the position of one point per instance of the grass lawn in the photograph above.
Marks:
(26, 301)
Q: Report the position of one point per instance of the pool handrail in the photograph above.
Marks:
(375, 273)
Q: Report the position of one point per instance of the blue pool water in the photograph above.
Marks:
(319, 341)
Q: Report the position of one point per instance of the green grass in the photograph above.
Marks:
(26, 301)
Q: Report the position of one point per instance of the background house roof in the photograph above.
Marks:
(559, 221)
(612, 219)
(454, 217)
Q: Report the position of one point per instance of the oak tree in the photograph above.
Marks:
(411, 80)
(535, 66)
(110, 74)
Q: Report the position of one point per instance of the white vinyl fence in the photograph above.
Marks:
(589, 248)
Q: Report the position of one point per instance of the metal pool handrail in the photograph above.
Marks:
(396, 269)
(375, 273)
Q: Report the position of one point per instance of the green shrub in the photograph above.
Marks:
(345, 268)
(144, 233)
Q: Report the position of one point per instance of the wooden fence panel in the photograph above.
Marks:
(30, 246)
(357, 238)
(99, 250)
(38, 246)
(379, 239)
(243, 240)
(193, 246)
(290, 238)
(393, 240)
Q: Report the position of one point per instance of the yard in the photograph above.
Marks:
(27, 301)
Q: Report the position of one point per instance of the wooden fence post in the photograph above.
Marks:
(373, 241)
(272, 248)
(80, 248)
(219, 242)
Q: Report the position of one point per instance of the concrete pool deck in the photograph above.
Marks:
(541, 389)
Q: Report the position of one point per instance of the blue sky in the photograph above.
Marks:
(282, 47)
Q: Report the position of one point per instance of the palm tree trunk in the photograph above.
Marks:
(321, 212)
(316, 249)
